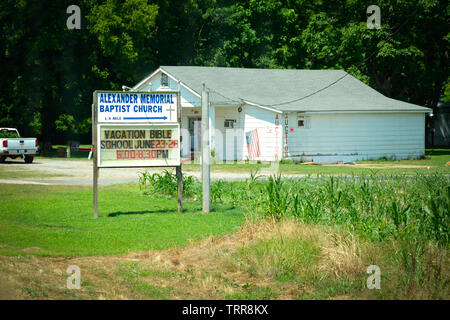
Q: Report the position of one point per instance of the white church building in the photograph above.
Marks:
(326, 116)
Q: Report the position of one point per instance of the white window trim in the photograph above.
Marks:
(306, 122)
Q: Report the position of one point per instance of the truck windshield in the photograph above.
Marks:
(5, 133)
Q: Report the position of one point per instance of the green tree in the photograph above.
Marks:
(50, 72)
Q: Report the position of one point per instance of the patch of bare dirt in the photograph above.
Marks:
(31, 249)
(9, 290)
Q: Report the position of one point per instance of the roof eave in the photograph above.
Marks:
(427, 110)
(160, 69)
(270, 108)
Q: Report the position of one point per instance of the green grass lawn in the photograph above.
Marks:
(433, 162)
(433, 157)
(59, 221)
(319, 169)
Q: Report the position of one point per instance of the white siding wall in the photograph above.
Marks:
(357, 136)
(228, 142)
(190, 103)
(270, 136)
(188, 98)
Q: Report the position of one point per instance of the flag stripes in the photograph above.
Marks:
(253, 144)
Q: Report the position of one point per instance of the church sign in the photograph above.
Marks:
(136, 129)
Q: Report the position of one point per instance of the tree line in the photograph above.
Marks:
(49, 72)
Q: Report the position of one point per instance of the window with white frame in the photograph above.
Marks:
(229, 123)
(164, 80)
(303, 122)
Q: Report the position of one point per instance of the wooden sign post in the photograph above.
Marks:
(94, 151)
(136, 129)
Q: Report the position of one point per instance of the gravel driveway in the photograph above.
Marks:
(79, 172)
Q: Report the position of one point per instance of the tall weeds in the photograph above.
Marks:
(375, 207)
(409, 213)
(165, 183)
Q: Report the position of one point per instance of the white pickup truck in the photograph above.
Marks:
(13, 146)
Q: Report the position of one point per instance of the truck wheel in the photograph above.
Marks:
(28, 159)
(2, 159)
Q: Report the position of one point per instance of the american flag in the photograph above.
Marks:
(253, 144)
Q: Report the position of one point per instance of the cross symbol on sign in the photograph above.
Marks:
(170, 112)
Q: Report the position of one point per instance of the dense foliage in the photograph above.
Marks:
(8, 134)
(49, 72)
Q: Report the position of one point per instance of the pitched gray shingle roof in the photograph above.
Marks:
(270, 87)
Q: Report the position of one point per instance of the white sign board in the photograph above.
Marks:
(139, 145)
(145, 107)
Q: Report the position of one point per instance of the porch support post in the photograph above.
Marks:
(205, 152)
(212, 126)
